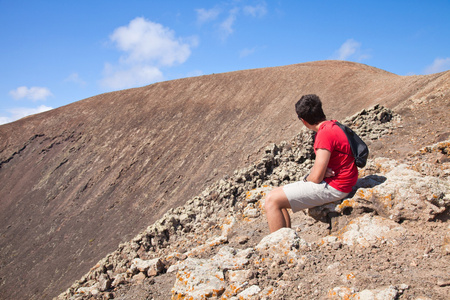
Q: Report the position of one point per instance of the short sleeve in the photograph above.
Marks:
(324, 139)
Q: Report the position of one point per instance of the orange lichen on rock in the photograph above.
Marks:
(365, 194)
(346, 203)
(341, 293)
(269, 292)
(387, 200)
(442, 147)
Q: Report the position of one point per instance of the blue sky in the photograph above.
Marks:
(57, 52)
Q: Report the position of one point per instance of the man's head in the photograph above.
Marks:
(309, 108)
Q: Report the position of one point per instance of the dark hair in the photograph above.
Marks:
(309, 108)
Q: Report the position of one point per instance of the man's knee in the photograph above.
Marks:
(268, 201)
(271, 201)
(276, 200)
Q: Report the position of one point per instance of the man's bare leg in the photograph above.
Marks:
(276, 204)
(287, 218)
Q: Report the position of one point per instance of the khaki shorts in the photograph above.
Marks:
(303, 195)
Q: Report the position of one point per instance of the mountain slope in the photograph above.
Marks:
(388, 240)
(80, 179)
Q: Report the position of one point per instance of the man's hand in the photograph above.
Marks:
(329, 173)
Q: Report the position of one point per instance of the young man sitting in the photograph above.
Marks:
(332, 176)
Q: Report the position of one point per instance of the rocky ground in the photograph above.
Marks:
(79, 180)
(390, 239)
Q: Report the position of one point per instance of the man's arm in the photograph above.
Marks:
(319, 168)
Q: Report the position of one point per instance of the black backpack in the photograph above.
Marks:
(359, 148)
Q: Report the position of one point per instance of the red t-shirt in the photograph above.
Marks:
(332, 138)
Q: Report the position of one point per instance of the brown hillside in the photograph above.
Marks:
(78, 180)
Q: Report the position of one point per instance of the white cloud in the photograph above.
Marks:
(259, 10)
(226, 27)
(21, 112)
(34, 93)
(137, 75)
(75, 78)
(237, 10)
(439, 65)
(147, 47)
(146, 41)
(206, 15)
(246, 52)
(4, 120)
(350, 49)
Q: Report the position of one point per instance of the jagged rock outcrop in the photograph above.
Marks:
(217, 245)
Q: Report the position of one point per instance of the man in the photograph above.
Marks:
(332, 176)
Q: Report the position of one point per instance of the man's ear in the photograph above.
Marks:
(307, 125)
